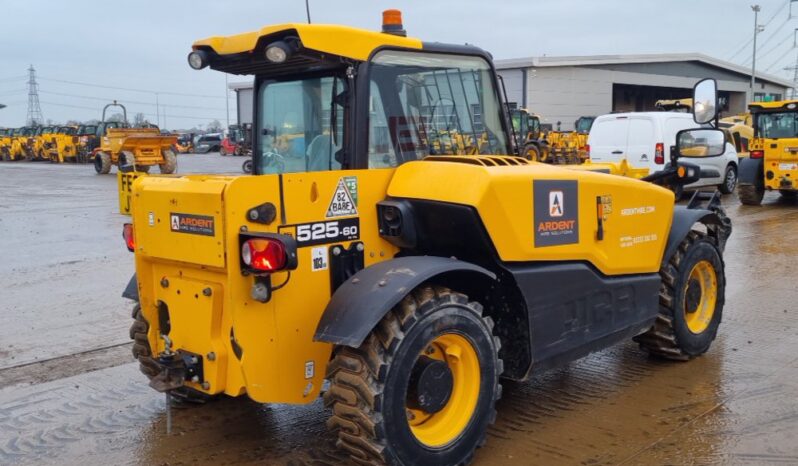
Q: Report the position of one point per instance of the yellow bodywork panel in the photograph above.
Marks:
(635, 228)
(781, 159)
(343, 41)
(196, 274)
(183, 220)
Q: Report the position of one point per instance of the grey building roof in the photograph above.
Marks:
(591, 60)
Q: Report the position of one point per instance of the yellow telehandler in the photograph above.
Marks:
(369, 254)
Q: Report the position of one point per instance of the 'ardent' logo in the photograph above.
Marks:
(555, 204)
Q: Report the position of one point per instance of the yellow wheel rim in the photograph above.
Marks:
(445, 426)
(700, 296)
(533, 155)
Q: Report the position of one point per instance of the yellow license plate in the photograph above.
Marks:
(125, 185)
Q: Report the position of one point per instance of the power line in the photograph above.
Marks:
(146, 91)
(14, 92)
(767, 23)
(145, 114)
(12, 78)
(125, 101)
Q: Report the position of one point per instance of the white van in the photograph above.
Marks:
(644, 139)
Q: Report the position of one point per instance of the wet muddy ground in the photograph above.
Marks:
(70, 394)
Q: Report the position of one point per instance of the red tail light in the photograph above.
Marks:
(264, 254)
(757, 154)
(659, 153)
(587, 149)
(127, 234)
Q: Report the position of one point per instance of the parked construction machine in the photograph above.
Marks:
(410, 277)
(5, 143)
(238, 140)
(531, 144)
(133, 149)
(21, 147)
(772, 164)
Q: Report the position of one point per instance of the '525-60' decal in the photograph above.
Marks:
(333, 231)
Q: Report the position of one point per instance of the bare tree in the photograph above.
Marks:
(214, 127)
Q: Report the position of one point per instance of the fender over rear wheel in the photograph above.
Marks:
(691, 301)
(422, 387)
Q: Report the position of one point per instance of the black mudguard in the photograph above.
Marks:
(361, 302)
(751, 172)
(132, 289)
(683, 220)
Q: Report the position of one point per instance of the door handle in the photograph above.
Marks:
(616, 152)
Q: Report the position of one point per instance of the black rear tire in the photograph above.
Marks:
(148, 366)
(102, 163)
(684, 329)
(750, 194)
(370, 389)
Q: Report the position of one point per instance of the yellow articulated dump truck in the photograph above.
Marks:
(411, 277)
(133, 149)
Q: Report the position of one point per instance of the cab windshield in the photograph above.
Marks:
(777, 125)
(432, 104)
(295, 125)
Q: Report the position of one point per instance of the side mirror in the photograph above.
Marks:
(700, 142)
(705, 101)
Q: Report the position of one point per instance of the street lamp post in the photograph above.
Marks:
(757, 30)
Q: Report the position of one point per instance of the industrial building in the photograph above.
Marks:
(561, 89)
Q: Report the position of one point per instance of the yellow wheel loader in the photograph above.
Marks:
(772, 164)
(86, 143)
(43, 141)
(411, 278)
(532, 145)
(63, 145)
(22, 144)
(133, 149)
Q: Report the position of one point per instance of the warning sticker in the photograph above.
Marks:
(344, 200)
(556, 212)
(192, 224)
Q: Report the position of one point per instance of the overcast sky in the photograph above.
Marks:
(143, 44)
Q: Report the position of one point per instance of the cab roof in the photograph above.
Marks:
(790, 105)
(340, 41)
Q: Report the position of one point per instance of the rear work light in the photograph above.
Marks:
(127, 234)
(757, 154)
(659, 153)
(265, 254)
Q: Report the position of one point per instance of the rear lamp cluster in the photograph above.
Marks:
(129, 237)
(266, 253)
(263, 254)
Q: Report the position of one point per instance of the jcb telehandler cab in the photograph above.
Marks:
(772, 163)
(367, 253)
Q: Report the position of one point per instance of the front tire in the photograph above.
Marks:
(169, 164)
(384, 408)
(692, 295)
(102, 163)
(729, 180)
